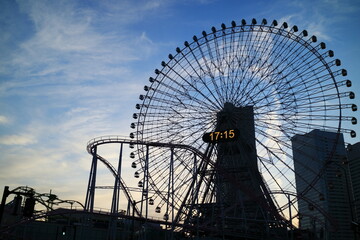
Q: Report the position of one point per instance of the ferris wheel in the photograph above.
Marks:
(238, 92)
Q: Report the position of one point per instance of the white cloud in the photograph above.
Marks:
(17, 140)
(321, 18)
(317, 25)
(342, 6)
(4, 120)
(69, 45)
(44, 168)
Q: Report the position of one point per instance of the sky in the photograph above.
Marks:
(71, 71)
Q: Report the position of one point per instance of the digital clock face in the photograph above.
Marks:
(221, 136)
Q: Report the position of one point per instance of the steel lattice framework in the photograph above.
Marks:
(292, 83)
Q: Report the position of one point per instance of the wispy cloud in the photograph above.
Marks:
(341, 6)
(321, 19)
(68, 61)
(4, 120)
(68, 45)
(17, 140)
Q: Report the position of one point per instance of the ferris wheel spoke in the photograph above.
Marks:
(199, 78)
(276, 52)
(186, 92)
(273, 178)
(309, 80)
(303, 116)
(294, 72)
(205, 58)
(323, 80)
(294, 61)
(257, 36)
(218, 64)
(243, 59)
(278, 170)
(228, 48)
(238, 51)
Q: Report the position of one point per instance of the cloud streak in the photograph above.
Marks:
(4, 120)
(17, 140)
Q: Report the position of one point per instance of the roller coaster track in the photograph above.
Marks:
(117, 139)
(92, 144)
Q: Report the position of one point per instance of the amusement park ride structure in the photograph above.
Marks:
(211, 145)
(212, 140)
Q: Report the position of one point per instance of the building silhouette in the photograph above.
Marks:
(323, 185)
(353, 152)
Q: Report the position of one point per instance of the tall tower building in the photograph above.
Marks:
(239, 184)
(323, 185)
(353, 152)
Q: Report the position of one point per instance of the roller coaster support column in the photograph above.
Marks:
(170, 197)
(147, 182)
(3, 201)
(145, 187)
(116, 194)
(89, 202)
(115, 200)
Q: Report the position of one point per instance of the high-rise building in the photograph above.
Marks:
(323, 185)
(353, 152)
(241, 195)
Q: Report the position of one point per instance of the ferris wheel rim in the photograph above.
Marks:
(181, 55)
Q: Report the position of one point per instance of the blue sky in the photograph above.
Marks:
(73, 70)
